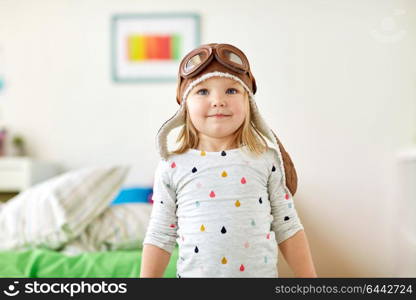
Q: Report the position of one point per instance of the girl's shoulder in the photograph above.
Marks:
(272, 158)
(269, 154)
(272, 153)
(171, 162)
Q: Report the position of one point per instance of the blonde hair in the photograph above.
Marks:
(247, 134)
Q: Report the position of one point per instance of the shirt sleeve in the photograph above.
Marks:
(285, 218)
(162, 227)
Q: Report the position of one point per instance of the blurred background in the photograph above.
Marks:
(336, 81)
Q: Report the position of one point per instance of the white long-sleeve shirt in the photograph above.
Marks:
(227, 211)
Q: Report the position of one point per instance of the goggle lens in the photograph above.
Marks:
(233, 57)
(193, 62)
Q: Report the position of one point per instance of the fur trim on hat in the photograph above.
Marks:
(213, 74)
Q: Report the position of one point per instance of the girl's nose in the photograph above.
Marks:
(217, 100)
(218, 103)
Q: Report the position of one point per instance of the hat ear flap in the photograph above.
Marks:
(291, 178)
(253, 80)
(176, 120)
(290, 171)
(178, 89)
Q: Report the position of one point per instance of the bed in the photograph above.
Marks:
(77, 224)
(43, 263)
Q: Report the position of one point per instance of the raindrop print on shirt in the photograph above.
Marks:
(194, 170)
(224, 174)
(212, 194)
(203, 153)
(273, 168)
(223, 153)
(224, 261)
(202, 228)
(260, 201)
(237, 203)
(196, 250)
(173, 165)
(242, 268)
(243, 180)
(223, 230)
(286, 218)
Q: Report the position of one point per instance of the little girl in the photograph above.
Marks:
(224, 195)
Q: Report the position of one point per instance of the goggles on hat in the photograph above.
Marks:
(228, 55)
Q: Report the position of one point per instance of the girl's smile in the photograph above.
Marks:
(219, 116)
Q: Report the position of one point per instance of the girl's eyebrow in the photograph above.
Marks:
(238, 85)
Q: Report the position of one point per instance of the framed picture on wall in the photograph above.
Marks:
(149, 47)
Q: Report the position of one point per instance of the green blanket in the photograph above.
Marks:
(41, 263)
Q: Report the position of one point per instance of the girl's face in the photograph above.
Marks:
(217, 95)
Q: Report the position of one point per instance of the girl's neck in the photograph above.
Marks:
(214, 145)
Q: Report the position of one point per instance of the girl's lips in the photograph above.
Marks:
(220, 116)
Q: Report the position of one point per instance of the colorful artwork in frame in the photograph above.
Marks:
(149, 47)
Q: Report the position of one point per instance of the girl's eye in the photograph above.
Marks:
(202, 92)
(205, 91)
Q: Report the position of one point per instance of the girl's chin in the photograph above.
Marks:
(220, 132)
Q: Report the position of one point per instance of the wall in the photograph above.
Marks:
(336, 81)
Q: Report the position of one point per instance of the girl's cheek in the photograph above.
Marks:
(239, 110)
(200, 107)
(196, 111)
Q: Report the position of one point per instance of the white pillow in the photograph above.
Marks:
(119, 227)
(56, 211)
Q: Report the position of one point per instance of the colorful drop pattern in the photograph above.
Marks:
(237, 204)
